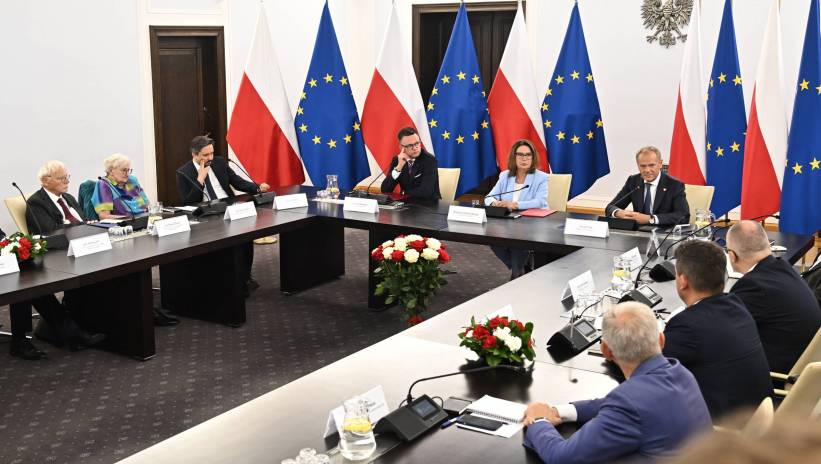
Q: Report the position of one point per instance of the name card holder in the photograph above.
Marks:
(240, 211)
(586, 228)
(85, 246)
(8, 264)
(297, 200)
(634, 258)
(170, 226)
(467, 214)
(582, 284)
(360, 205)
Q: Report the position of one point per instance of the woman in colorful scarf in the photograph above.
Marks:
(118, 193)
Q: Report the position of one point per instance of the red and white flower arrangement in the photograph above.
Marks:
(499, 339)
(409, 273)
(24, 246)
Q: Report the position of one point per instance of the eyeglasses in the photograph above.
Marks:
(63, 179)
(412, 146)
(126, 171)
(524, 155)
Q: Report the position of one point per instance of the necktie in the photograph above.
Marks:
(212, 195)
(66, 212)
(410, 167)
(648, 201)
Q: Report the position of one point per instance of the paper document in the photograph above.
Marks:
(509, 412)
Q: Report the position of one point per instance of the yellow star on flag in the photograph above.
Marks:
(435, 91)
(446, 135)
(317, 140)
(559, 80)
(548, 123)
(430, 106)
(818, 89)
(590, 135)
(475, 79)
(344, 80)
(589, 77)
(299, 110)
(734, 146)
(712, 81)
(460, 139)
(599, 123)
(355, 126)
(797, 169)
(815, 163)
(545, 107)
(445, 79)
(461, 75)
(737, 80)
(575, 138)
(332, 143)
(432, 123)
(328, 78)
(560, 135)
(722, 78)
(303, 128)
(574, 74)
(805, 84)
(303, 95)
(549, 92)
(312, 82)
(347, 138)
(719, 151)
(709, 146)
(475, 135)
(484, 124)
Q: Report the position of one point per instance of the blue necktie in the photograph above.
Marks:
(648, 202)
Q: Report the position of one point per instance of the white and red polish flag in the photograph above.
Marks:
(687, 149)
(765, 146)
(261, 131)
(513, 102)
(394, 100)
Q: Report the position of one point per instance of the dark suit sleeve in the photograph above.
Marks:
(429, 186)
(389, 184)
(622, 197)
(681, 210)
(681, 342)
(239, 183)
(188, 194)
(38, 216)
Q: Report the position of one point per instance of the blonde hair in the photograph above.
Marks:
(115, 161)
(48, 169)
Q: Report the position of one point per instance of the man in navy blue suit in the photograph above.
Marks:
(649, 415)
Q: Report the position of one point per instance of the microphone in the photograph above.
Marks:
(618, 200)
(517, 369)
(246, 173)
(495, 195)
(647, 261)
(260, 197)
(712, 223)
(195, 184)
(26, 201)
(56, 241)
(212, 207)
(122, 202)
(380, 198)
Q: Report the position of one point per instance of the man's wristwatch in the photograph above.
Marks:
(540, 419)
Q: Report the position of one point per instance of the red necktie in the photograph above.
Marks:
(66, 212)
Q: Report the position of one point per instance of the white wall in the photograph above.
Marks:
(76, 83)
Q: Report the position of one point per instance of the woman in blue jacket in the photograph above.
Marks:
(526, 188)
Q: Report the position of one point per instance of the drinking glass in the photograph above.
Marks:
(332, 185)
(356, 440)
(703, 218)
(621, 281)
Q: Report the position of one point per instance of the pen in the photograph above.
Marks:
(449, 422)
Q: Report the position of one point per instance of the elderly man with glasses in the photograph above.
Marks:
(52, 207)
(413, 169)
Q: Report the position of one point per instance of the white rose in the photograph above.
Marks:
(411, 256)
(389, 243)
(400, 244)
(386, 253)
(501, 332)
(515, 343)
(412, 238)
(430, 255)
(433, 244)
(37, 246)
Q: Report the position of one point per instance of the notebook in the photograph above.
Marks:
(537, 212)
(509, 412)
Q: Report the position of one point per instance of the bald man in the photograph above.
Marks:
(782, 305)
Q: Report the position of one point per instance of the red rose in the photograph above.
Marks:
(444, 257)
(22, 254)
(418, 245)
(520, 325)
(25, 242)
(496, 322)
(415, 319)
(397, 255)
(480, 332)
(377, 255)
(489, 342)
(4, 243)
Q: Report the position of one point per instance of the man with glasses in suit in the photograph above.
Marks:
(413, 169)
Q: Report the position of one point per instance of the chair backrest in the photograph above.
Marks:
(761, 420)
(803, 398)
(448, 180)
(17, 209)
(698, 197)
(812, 353)
(84, 195)
(558, 189)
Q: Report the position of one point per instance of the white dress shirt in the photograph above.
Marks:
(74, 212)
(215, 184)
(653, 187)
(517, 190)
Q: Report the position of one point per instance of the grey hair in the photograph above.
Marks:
(748, 238)
(115, 161)
(631, 331)
(649, 149)
(49, 168)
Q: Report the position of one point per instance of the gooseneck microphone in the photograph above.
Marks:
(260, 197)
(26, 201)
(658, 248)
(126, 206)
(712, 223)
(195, 184)
(245, 172)
(517, 369)
(618, 200)
(498, 195)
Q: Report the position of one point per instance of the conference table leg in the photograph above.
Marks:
(311, 255)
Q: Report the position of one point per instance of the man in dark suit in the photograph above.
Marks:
(714, 336)
(52, 311)
(413, 169)
(52, 207)
(649, 415)
(657, 198)
(209, 178)
(782, 305)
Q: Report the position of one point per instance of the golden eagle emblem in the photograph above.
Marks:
(666, 19)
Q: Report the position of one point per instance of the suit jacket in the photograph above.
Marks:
(423, 185)
(784, 309)
(190, 195)
(42, 212)
(648, 415)
(534, 196)
(717, 340)
(669, 206)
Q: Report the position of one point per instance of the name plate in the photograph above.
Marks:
(297, 200)
(8, 264)
(377, 409)
(360, 205)
(582, 284)
(171, 226)
(633, 257)
(240, 211)
(85, 246)
(598, 229)
(467, 214)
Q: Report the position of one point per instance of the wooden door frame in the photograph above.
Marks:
(154, 34)
(419, 9)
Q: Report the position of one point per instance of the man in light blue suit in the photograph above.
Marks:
(521, 186)
(649, 415)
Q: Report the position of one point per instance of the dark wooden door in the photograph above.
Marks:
(490, 25)
(188, 74)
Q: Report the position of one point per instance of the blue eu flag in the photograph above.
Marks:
(327, 125)
(801, 189)
(726, 120)
(457, 111)
(573, 128)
